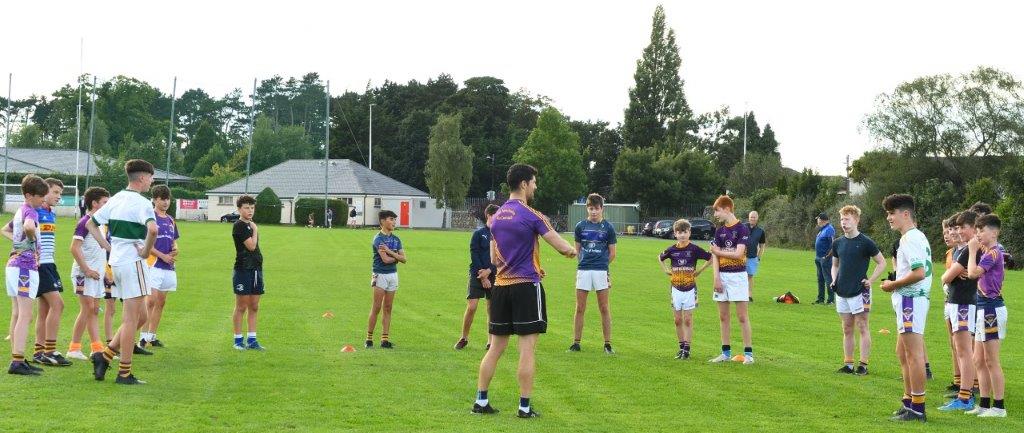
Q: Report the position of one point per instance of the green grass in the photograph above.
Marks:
(303, 383)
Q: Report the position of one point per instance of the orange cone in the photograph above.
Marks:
(883, 331)
(347, 348)
(737, 358)
(328, 315)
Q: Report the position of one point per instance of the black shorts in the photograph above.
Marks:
(476, 290)
(519, 309)
(248, 282)
(49, 279)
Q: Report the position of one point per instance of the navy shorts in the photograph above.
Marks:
(248, 282)
(49, 279)
(476, 290)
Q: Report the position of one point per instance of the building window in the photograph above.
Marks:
(224, 200)
(423, 204)
(348, 200)
(377, 202)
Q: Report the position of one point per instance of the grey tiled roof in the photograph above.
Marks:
(306, 177)
(61, 161)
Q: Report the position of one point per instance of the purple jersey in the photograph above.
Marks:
(684, 264)
(25, 252)
(167, 233)
(990, 285)
(728, 238)
(515, 229)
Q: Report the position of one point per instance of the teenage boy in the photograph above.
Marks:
(595, 241)
(164, 278)
(133, 232)
(910, 302)
(951, 238)
(989, 269)
(959, 312)
(387, 254)
(851, 255)
(51, 306)
(481, 275)
(729, 250)
(87, 271)
(683, 256)
(22, 273)
(247, 279)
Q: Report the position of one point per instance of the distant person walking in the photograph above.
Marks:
(823, 259)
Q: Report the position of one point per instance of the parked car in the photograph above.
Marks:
(701, 229)
(648, 228)
(230, 218)
(663, 229)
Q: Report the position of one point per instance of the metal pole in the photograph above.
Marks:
(78, 122)
(745, 134)
(92, 128)
(327, 147)
(170, 133)
(7, 136)
(252, 121)
(371, 136)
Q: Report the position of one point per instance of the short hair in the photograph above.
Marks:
(491, 210)
(895, 202)
(681, 225)
(244, 200)
(724, 202)
(52, 182)
(161, 192)
(595, 200)
(136, 166)
(966, 218)
(850, 210)
(385, 214)
(981, 208)
(519, 173)
(951, 220)
(34, 185)
(991, 221)
(93, 195)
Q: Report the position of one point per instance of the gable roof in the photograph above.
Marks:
(297, 177)
(62, 161)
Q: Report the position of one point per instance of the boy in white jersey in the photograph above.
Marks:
(163, 279)
(90, 262)
(910, 302)
(22, 270)
(133, 232)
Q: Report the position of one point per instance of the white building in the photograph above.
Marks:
(365, 190)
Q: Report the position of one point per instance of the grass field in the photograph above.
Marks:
(303, 383)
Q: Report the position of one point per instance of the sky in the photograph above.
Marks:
(811, 69)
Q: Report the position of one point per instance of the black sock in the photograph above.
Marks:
(998, 404)
(986, 402)
(726, 348)
(748, 349)
(682, 345)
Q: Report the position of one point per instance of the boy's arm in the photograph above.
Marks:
(702, 268)
(974, 270)
(879, 270)
(252, 241)
(76, 252)
(952, 273)
(8, 231)
(835, 268)
(740, 251)
(718, 276)
(559, 244)
(94, 230)
(611, 253)
(911, 278)
(147, 246)
(398, 255)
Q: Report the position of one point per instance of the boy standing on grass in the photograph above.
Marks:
(851, 255)
(51, 306)
(481, 275)
(729, 250)
(951, 238)
(595, 241)
(22, 270)
(959, 312)
(164, 278)
(683, 256)
(910, 302)
(387, 253)
(989, 269)
(90, 261)
(133, 232)
(248, 274)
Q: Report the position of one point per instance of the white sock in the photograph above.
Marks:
(238, 335)
(525, 409)
(145, 336)
(252, 335)
(483, 402)
(152, 336)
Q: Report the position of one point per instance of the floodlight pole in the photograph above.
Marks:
(371, 136)
(745, 134)
(78, 121)
(252, 121)
(170, 133)
(327, 147)
(92, 128)
(7, 137)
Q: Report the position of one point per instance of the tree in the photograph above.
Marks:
(449, 163)
(554, 150)
(664, 182)
(600, 146)
(656, 100)
(205, 138)
(219, 175)
(268, 207)
(204, 167)
(760, 171)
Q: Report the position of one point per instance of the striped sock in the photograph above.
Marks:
(956, 379)
(383, 337)
(369, 336)
(38, 349)
(917, 403)
(108, 354)
(964, 395)
(51, 346)
(124, 369)
(848, 362)
(17, 357)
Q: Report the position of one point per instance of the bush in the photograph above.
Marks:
(268, 208)
(789, 221)
(761, 197)
(315, 206)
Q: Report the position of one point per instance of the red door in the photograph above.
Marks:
(403, 217)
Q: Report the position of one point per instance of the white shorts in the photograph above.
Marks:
(735, 287)
(86, 286)
(22, 282)
(910, 313)
(854, 305)
(164, 280)
(961, 317)
(684, 301)
(131, 280)
(388, 282)
(592, 281)
(991, 325)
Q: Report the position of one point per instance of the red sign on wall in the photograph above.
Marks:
(188, 204)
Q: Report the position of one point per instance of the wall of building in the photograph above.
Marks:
(367, 208)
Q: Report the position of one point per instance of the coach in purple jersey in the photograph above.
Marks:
(517, 299)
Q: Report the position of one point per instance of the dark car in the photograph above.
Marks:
(701, 229)
(662, 229)
(230, 218)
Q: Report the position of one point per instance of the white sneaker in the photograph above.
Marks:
(720, 358)
(77, 354)
(978, 410)
(993, 412)
(748, 359)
